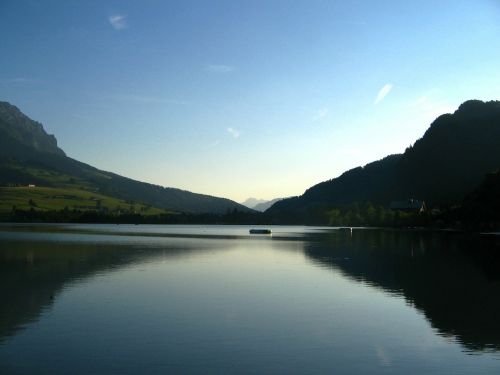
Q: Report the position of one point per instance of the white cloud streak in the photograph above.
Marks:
(351, 152)
(234, 133)
(320, 114)
(219, 68)
(19, 80)
(146, 99)
(118, 21)
(214, 143)
(383, 92)
(434, 107)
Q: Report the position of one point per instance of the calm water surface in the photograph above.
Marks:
(120, 299)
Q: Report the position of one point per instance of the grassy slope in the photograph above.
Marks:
(50, 177)
(21, 164)
(56, 191)
(58, 198)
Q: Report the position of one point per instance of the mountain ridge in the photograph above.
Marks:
(263, 206)
(441, 167)
(25, 130)
(25, 147)
(260, 205)
(252, 202)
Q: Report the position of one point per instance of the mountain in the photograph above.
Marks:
(16, 125)
(260, 204)
(483, 204)
(450, 160)
(252, 202)
(263, 206)
(28, 155)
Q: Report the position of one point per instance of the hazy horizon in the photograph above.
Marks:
(240, 100)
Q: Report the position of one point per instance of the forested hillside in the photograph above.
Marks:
(448, 162)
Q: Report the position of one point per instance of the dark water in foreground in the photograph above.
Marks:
(99, 299)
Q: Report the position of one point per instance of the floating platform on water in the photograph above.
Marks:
(260, 231)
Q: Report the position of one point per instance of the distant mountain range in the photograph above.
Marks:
(28, 155)
(252, 202)
(261, 207)
(441, 168)
(260, 204)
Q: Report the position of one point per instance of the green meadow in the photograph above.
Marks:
(56, 198)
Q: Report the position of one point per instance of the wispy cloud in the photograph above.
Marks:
(234, 133)
(432, 105)
(20, 80)
(219, 68)
(383, 92)
(118, 21)
(214, 143)
(146, 99)
(320, 114)
(351, 151)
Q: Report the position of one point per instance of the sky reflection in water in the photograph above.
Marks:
(80, 299)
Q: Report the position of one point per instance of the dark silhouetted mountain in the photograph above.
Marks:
(483, 204)
(28, 155)
(450, 160)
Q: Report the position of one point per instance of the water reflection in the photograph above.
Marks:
(451, 278)
(34, 272)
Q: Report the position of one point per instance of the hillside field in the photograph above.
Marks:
(50, 198)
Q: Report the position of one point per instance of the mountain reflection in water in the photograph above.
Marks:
(33, 273)
(452, 278)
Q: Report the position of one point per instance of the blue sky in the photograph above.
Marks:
(244, 98)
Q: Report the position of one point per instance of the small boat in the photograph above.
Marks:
(260, 231)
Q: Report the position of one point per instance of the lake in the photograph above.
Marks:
(146, 299)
